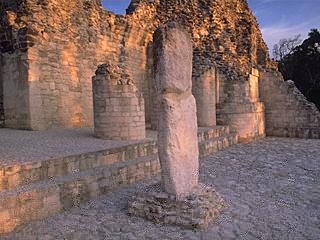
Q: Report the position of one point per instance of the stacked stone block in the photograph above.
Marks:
(204, 91)
(35, 190)
(65, 41)
(241, 108)
(288, 113)
(195, 211)
(118, 107)
(47, 186)
(48, 58)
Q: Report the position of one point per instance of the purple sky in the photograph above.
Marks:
(277, 18)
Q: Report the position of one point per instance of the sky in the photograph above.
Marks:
(277, 18)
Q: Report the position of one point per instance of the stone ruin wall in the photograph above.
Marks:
(51, 50)
(288, 113)
(66, 41)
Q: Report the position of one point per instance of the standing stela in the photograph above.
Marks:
(177, 122)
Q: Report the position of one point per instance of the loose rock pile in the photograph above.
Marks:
(196, 210)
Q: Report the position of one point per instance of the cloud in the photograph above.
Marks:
(279, 20)
(273, 33)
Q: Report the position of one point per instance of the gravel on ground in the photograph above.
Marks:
(272, 188)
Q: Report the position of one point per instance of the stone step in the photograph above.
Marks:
(21, 174)
(213, 145)
(40, 200)
(38, 189)
(205, 134)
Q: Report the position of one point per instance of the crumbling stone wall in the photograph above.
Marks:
(288, 113)
(51, 49)
(64, 41)
(60, 58)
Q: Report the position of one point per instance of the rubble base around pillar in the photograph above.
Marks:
(196, 211)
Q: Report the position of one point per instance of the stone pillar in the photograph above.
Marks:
(177, 127)
(118, 107)
(206, 99)
(179, 199)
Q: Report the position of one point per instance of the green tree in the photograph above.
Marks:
(302, 65)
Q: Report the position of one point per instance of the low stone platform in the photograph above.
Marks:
(297, 132)
(18, 146)
(42, 173)
(271, 188)
(197, 210)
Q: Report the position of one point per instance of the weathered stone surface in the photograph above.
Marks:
(74, 167)
(197, 210)
(254, 85)
(16, 104)
(67, 40)
(177, 141)
(118, 106)
(272, 193)
(177, 120)
(205, 90)
(48, 58)
(240, 107)
(172, 59)
(247, 118)
(81, 169)
(288, 113)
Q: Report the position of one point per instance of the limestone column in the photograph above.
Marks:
(206, 99)
(118, 107)
(177, 126)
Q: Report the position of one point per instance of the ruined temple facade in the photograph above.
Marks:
(50, 49)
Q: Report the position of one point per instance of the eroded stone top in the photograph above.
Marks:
(114, 74)
(173, 67)
(223, 31)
